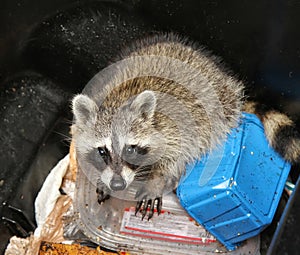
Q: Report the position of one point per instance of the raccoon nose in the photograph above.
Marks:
(117, 183)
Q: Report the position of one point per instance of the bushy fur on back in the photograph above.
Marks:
(162, 105)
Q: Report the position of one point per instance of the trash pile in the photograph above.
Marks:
(111, 226)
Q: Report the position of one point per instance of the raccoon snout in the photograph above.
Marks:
(117, 183)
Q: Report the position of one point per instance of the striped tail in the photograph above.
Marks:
(280, 131)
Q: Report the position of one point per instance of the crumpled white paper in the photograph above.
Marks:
(49, 193)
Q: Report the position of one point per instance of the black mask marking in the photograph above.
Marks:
(104, 153)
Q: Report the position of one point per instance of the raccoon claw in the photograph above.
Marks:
(143, 205)
(101, 196)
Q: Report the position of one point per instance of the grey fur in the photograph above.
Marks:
(166, 95)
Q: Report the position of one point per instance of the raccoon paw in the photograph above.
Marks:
(102, 195)
(145, 203)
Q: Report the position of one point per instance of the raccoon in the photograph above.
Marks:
(165, 103)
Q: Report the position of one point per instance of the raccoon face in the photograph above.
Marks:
(121, 144)
(122, 168)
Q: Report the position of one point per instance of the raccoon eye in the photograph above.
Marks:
(131, 149)
(134, 149)
(103, 153)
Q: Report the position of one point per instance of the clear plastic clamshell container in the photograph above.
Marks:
(113, 224)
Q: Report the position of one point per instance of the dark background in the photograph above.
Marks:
(50, 49)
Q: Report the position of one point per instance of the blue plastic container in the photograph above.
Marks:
(235, 190)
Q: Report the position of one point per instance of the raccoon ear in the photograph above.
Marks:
(84, 109)
(144, 104)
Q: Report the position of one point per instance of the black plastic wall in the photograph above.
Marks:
(50, 49)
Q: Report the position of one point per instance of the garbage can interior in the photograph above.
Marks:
(42, 67)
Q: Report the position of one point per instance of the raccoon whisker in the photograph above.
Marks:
(65, 139)
(63, 135)
(67, 121)
(142, 174)
(141, 178)
(143, 170)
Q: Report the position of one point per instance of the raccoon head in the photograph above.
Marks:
(120, 143)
